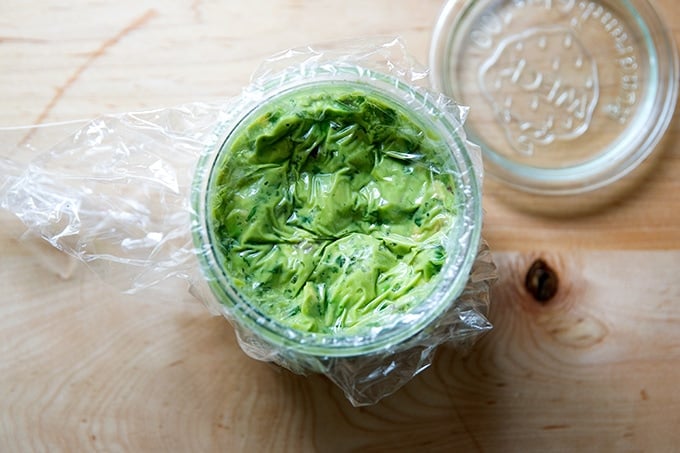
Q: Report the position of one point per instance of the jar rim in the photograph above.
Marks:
(236, 307)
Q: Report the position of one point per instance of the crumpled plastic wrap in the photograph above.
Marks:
(117, 195)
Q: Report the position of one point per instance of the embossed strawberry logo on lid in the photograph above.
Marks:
(565, 96)
(543, 87)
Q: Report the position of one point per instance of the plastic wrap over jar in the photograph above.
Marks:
(130, 195)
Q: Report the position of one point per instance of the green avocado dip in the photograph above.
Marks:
(330, 209)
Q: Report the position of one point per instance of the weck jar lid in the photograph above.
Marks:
(566, 96)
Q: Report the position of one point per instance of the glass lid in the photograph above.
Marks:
(566, 96)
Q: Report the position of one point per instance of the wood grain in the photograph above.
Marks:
(83, 368)
(590, 369)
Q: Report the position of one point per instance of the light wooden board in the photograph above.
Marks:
(83, 368)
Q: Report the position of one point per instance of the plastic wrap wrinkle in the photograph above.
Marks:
(117, 195)
(116, 192)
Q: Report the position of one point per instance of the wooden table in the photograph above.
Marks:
(83, 368)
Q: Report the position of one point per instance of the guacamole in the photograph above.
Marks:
(330, 209)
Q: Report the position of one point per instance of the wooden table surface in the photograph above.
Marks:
(83, 368)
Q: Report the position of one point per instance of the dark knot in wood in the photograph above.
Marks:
(541, 281)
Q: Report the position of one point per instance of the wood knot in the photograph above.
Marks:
(541, 281)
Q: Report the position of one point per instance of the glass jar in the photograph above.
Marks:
(268, 338)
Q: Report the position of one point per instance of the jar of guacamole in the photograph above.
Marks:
(339, 215)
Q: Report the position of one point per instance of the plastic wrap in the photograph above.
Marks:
(128, 195)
